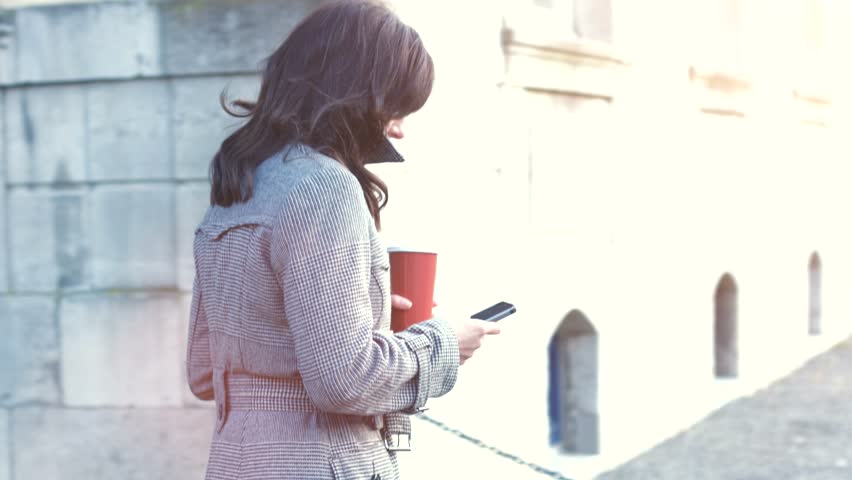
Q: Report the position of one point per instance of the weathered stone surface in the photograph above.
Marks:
(200, 125)
(88, 41)
(192, 201)
(133, 239)
(29, 351)
(4, 263)
(120, 349)
(226, 35)
(5, 446)
(7, 47)
(45, 131)
(579, 427)
(132, 444)
(183, 332)
(49, 239)
(128, 130)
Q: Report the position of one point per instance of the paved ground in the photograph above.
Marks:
(453, 455)
(799, 428)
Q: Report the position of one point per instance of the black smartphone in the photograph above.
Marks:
(495, 312)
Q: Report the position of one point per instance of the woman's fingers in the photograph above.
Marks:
(400, 303)
(492, 329)
(470, 333)
(488, 328)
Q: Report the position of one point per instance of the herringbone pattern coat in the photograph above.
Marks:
(289, 331)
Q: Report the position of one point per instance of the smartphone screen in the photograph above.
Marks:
(495, 312)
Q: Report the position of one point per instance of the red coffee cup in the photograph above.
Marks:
(413, 277)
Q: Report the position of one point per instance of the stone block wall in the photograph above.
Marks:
(110, 115)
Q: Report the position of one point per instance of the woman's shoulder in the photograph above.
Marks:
(318, 194)
(298, 176)
(302, 187)
(303, 172)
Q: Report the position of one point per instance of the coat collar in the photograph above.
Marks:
(384, 153)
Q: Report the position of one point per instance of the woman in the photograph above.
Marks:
(291, 303)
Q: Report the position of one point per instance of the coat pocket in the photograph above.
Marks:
(371, 462)
(220, 394)
(380, 291)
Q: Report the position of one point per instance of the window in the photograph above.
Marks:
(564, 20)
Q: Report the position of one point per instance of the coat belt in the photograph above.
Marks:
(236, 391)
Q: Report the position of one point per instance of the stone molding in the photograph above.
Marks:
(813, 96)
(542, 59)
(812, 107)
(720, 91)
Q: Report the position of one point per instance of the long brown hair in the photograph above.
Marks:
(340, 76)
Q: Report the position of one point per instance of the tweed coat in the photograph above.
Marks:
(289, 331)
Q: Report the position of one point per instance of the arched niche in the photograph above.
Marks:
(725, 327)
(573, 385)
(815, 294)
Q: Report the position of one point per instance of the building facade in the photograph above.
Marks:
(606, 165)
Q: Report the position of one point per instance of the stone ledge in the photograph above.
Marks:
(720, 91)
(813, 107)
(574, 49)
(718, 79)
(543, 54)
(578, 67)
(814, 91)
(816, 97)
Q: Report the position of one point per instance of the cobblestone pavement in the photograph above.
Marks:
(798, 428)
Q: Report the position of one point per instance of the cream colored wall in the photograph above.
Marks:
(629, 208)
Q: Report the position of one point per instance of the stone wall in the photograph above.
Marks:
(109, 118)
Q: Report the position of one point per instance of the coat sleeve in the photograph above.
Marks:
(323, 266)
(199, 368)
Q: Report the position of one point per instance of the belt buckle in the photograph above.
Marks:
(398, 442)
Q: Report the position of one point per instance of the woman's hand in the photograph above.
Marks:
(469, 332)
(401, 303)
